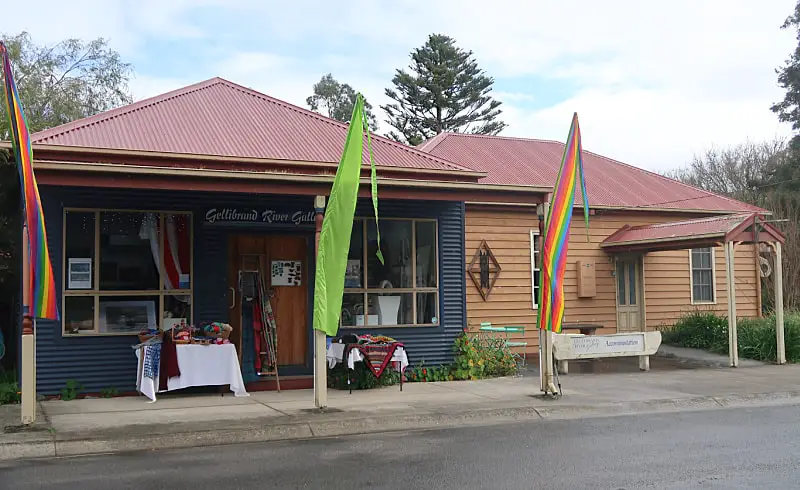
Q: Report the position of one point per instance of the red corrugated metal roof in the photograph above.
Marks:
(221, 118)
(609, 183)
(678, 230)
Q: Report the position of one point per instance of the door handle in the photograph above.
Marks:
(233, 298)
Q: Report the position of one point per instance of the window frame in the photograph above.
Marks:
(713, 259)
(96, 293)
(535, 267)
(414, 290)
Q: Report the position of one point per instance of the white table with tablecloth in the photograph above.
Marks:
(200, 365)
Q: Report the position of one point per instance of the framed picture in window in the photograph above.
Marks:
(127, 316)
(79, 273)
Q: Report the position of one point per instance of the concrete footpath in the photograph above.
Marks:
(94, 426)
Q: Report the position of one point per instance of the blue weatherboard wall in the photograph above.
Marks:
(108, 361)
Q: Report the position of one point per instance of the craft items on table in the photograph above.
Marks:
(377, 352)
(187, 356)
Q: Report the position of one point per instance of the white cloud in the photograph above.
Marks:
(653, 83)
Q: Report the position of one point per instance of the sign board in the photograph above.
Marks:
(259, 215)
(286, 273)
(571, 346)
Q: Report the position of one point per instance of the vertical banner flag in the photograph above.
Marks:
(41, 287)
(337, 226)
(556, 231)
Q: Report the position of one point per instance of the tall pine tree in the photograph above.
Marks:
(445, 91)
(787, 175)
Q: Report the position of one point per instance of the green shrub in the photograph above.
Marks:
(424, 373)
(9, 388)
(482, 356)
(699, 330)
(72, 388)
(707, 331)
(109, 392)
(361, 377)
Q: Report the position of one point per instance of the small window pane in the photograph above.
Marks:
(621, 283)
(395, 272)
(129, 251)
(426, 309)
(176, 309)
(632, 285)
(177, 243)
(392, 309)
(353, 311)
(426, 254)
(79, 243)
(354, 274)
(128, 314)
(78, 315)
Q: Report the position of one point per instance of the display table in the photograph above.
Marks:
(375, 356)
(200, 365)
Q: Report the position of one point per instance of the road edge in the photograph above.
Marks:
(63, 445)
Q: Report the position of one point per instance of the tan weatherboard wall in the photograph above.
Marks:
(666, 274)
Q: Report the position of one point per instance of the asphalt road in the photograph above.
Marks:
(730, 449)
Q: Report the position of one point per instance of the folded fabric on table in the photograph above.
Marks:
(169, 362)
(152, 359)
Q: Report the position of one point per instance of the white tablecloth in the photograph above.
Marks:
(200, 365)
(335, 353)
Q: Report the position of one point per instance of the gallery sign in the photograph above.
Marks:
(572, 346)
(259, 216)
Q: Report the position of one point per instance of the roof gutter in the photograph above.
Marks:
(265, 176)
(220, 158)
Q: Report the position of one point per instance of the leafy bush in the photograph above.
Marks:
(477, 357)
(9, 388)
(109, 392)
(361, 377)
(756, 336)
(482, 356)
(433, 373)
(699, 330)
(72, 388)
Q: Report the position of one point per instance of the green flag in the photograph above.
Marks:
(334, 240)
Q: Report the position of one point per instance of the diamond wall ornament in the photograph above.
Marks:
(484, 269)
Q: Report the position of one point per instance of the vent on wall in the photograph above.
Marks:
(587, 285)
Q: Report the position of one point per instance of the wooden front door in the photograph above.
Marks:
(629, 294)
(289, 302)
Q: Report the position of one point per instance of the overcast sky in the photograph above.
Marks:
(653, 82)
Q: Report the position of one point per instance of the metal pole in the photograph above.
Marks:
(779, 327)
(28, 351)
(320, 347)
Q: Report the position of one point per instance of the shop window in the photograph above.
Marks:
(401, 291)
(126, 271)
(535, 268)
(702, 275)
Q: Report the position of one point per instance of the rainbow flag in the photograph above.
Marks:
(556, 231)
(42, 287)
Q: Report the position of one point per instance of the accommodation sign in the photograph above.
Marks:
(263, 216)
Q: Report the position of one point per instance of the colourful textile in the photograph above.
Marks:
(41, 285)
(376, 356)
(556, 232)
(334, 240)
(152, 359)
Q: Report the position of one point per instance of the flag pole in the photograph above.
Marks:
(28, 351)
(320, 347)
